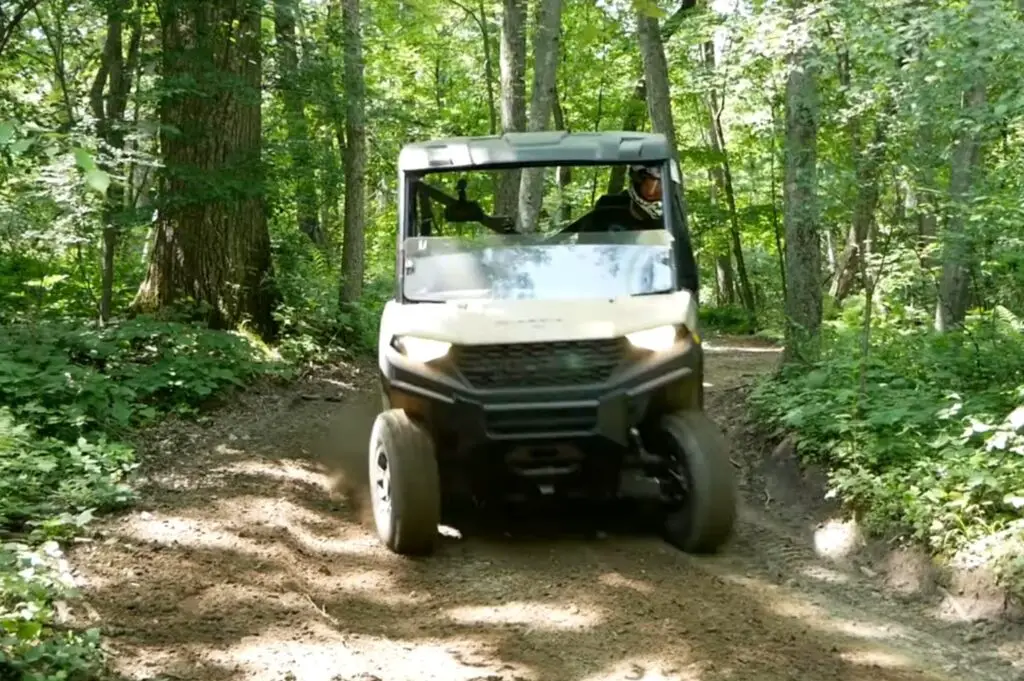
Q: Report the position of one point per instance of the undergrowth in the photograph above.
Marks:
(924, 436)
(74, 391)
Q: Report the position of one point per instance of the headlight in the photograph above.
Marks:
(421, 349)
(658, 338)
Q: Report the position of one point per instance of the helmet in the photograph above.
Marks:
(645, 189)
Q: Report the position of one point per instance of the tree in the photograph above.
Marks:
(513, 94)
(803, 242)
(211, 244)
(542, 101)
(108, 98)
(293, 98)
(354, 244)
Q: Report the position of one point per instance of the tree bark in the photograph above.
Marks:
(542, 98)
(659, 107)
(957, 247)
(353, 248)
(513, 95)
(723, 175)
(114, 78)
(11, 18)
(800, 213)
(636, 104)
(289, 79)
(212, 245)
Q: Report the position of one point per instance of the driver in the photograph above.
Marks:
(644, 192)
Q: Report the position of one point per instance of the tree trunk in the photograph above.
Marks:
(542, 97)
(114, 76)
(485, 34)
(11, 18)
(800, 213)
(354, 245)
(659, 106)
(951, 309)
(294, 102)
(868, 165)
(212, 244)
(725, 280)
(513, 95)
(723, 175)
(636, 104)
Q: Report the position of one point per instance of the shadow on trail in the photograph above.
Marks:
(258, 562)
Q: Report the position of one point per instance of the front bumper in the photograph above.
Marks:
(440, 393)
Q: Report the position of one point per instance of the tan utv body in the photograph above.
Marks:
(514, 367)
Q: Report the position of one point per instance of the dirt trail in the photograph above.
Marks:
(249, 560)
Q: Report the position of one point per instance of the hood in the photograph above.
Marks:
(474, 322)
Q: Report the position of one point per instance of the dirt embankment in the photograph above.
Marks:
(252, 558)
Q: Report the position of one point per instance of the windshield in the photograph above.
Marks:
(516, 267)
(541, 233)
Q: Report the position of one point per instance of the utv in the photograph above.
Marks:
(536, 350)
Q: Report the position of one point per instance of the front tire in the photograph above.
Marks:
(405, 488)
(699, 453)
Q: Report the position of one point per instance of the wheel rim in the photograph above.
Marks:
(382, 488)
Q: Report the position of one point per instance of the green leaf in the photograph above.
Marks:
(84, 159)
(21, 146)
(6, 131)
(29, 630)
(97, 180)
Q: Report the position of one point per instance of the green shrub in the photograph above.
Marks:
(729, 319)
(32, 645)
(933, 445)
(72, 388)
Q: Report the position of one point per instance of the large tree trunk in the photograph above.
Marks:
(306, 207)
(108, 99)
(542, 98)
(513, 95)
(353, 248)
(803, 243)
(212, 244)
(723, 175)
(636, 105)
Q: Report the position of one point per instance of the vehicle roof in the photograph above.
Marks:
(525, 148)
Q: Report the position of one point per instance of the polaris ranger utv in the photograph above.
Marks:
(544, 348)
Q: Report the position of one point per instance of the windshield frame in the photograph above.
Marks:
(683, 258)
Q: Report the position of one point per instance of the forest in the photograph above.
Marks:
(200, 195)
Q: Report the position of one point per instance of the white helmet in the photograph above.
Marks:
(645, 189)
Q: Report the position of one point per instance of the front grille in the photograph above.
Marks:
(539, 365)
(546, 420)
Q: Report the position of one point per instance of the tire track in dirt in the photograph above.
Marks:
(251, 557)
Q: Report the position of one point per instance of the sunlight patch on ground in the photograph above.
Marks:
(878, 658)
(617, 580)
(379, 586)
(709, 347)
(824, 574)
(649, 670)
(323, 654)
(837, 539)
(282, 514)
(787, 604)
(147, 663)
(186, 532)
(277, 470)
(532, 614)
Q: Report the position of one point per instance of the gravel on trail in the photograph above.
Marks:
(252, 556)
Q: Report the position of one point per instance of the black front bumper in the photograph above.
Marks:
(440, 394)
